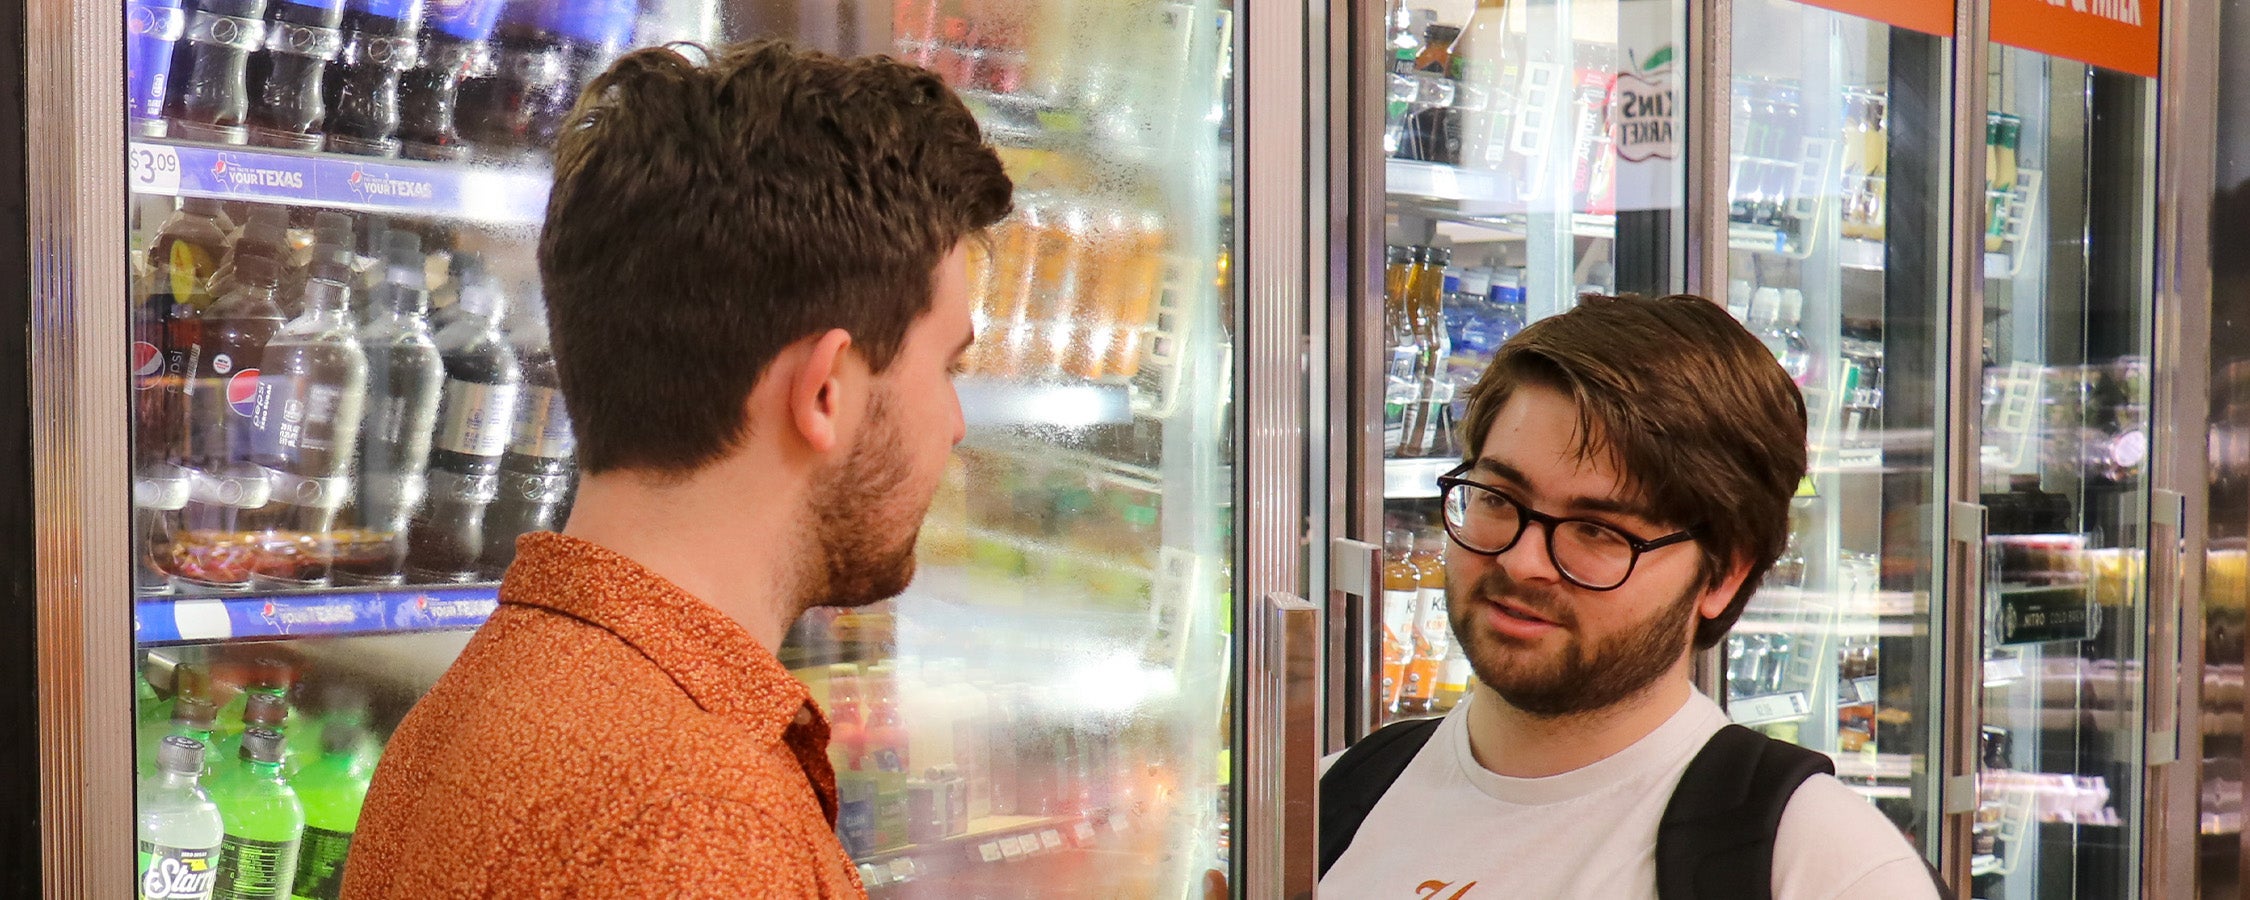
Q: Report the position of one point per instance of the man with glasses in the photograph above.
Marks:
(1629, 466)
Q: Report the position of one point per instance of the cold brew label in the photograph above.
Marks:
(1398, 617)
(177, 873)
(1433, 632)
(543, 426)
(475, 418)
(320, 864)
(255, 870)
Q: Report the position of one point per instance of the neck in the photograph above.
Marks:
(1518, 744)
(729, 544)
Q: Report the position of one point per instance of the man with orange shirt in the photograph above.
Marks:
(755, 285)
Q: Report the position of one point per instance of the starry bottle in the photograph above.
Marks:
(180, 831)
(476, 419)
(405, 376)
(301, 38)
(380, 46)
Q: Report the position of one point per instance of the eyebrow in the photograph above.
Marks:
(1611, 506)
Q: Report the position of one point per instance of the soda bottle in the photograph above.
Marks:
(260, 709)
(265, 236)
(330, 259)
(152, 27)
(181, 831)
(264, 822)
(543, 52)
(379, 47)
(301, 38)
(192, 717)
(214, 98)
(266, 675)
(221, 397)
(536, 474)
(310, 397)
(476, 416)
(847, 727)
(166, 323)
(333, 788)
(404, 378)
(453, 46)
(1402, 586)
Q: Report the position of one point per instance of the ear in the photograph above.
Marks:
(1714, 601)
(816, 403)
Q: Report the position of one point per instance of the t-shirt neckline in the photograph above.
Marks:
(1670, 742)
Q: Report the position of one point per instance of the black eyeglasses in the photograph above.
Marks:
(1598, 557)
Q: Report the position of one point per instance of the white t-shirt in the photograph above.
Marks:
(1454, 825)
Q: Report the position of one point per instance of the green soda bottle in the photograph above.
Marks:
(259, 711)
(192, 717)
(268, 677)
(264, 822)
(333, 787)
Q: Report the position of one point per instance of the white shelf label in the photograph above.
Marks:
(1050, 839)
(1085, 832)
(153, 169)
(2003, 670)
(1866, 688)
(1770, 708)
(202, 620)
(990, 850)
(1010, 847)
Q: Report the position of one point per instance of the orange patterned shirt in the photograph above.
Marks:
(604, 735)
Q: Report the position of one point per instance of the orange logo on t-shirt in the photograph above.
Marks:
(1429, 890)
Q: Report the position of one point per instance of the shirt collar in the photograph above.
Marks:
(711, 657)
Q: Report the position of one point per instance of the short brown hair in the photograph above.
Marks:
(1699, 420)
(706, 216)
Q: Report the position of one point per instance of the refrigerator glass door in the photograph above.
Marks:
(1837, 173)
(2066, 441)
(1045, 711)
(1533, 153)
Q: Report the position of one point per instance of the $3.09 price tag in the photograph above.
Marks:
(153, 169)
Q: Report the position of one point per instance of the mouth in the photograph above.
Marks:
(1514, 620)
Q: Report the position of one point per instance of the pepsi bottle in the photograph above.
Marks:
(545, 51)
(453, 47)
(152, 27)
(214, 96)
(301, 37)
(212, 549)
(536, 474)
(476, 418)
(363, 83)
(404, 378)
(304, 431)
(174, 293)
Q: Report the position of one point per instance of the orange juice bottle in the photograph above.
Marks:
(1133, 295)
(1402, 585)
(1061, 258)
(1433, 632)
(1024, 262)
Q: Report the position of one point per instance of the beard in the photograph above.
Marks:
(1580, 677)
(865, 520)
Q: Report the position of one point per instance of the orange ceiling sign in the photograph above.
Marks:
(2113, 34)
(1926, 16)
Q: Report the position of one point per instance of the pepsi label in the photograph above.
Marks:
(543, 426)
(477, 418)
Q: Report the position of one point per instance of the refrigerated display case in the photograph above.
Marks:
(1836, 172)
(342, 411)
(1529, 153)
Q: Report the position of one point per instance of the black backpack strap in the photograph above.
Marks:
(1351, 788)
(1715, 841)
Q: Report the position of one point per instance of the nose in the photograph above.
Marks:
(1528, 559)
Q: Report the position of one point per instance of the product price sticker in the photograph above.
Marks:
(1085, 832)
(153, 169)
(1867, 688)
(1050, 839)
(1770, 708)
(1011, 848)
(990, 851)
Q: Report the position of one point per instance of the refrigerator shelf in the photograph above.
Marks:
(163, 620)
(991, 839)
(993, 402)
(483, 194)
(1866, 255)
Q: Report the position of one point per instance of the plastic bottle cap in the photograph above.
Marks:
(1792, 304)
(195, 713)
(1766, 303)
(264, 709)
(180, 755)
(322, 293)
(403, 260)
(261, 745)
(1399, 255)
(202, 206)
(258, 271)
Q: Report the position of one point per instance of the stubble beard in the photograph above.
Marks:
(865, 522)
(1575, 679)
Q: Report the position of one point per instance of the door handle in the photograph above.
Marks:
(1355, 571)
(1282, 834)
